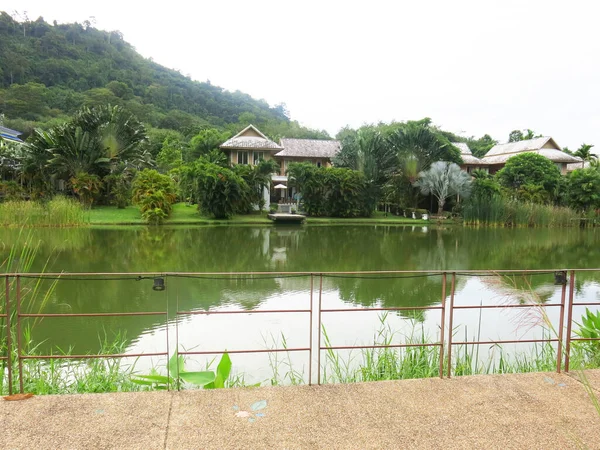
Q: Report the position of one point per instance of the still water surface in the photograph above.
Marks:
(292, 249)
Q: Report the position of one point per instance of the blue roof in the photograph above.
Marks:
(9, 137)
(9, 132)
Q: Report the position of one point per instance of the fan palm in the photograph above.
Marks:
(443, 180)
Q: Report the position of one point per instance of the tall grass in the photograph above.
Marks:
(58, 212)
(422, 359)
(70, 376)
(500, 212)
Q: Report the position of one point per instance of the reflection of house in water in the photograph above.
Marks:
(280, 239)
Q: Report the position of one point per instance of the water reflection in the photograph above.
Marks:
(260, 249)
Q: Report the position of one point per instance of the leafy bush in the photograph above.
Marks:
(584, 189)
(221, 191)
(86, 187)
(154, 194)
(530, 169)
(10, 190)
(334, 192)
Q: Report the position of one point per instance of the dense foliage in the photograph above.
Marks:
(530, 173)
(333, 192)
(584, 189)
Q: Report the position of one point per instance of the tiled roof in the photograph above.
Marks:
(309, 148)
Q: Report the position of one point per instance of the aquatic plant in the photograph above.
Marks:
(177, 375)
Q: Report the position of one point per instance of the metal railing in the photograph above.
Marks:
(14, 317)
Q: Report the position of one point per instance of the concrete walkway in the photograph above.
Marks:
(529, 411)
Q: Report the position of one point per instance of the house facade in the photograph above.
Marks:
(250, 146)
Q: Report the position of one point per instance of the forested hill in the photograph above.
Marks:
(48, 71)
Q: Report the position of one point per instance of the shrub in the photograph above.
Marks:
(332, 192)
(153, 191)
(86, 187)
(10, 190)
(221, 191)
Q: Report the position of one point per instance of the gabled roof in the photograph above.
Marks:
(466, 155)
(250, 138)
(545, 146)
(309, 148)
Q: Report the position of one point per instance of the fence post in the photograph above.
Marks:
(442, 321)
(19, 335)
(569, 320)
(561, 324)
(310, 334)
(8, 337)
(167, 335)
(319, 331)
(450, 321)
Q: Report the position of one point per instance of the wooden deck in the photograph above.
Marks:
(286, 218)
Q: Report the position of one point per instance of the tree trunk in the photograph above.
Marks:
(441, 203)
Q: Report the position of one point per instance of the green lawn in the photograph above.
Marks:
(189, 215)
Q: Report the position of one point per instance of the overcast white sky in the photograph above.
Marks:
(474, 67)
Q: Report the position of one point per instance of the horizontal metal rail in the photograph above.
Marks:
(263, 350)
(93, 356)
(128, 314)
(243, 311)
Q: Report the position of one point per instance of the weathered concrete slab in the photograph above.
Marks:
(538, 410)
(509, 411)
(123, 420)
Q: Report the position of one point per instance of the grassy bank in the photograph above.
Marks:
(189, 215)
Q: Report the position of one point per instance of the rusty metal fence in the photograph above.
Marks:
(13, 316)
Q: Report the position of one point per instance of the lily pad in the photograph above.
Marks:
(259, 405)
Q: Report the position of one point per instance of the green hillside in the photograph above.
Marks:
(47, 72)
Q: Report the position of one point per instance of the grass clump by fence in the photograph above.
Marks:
(422, 359)
(500, 212)
(58, 212)
(72, 376)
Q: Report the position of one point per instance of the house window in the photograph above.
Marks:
(242, 157)
(258, 157)
(318, 163)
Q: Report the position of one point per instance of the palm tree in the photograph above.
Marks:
(443, 180)
(585, 153)
(417, 146)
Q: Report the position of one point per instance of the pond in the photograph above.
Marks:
(293, 249)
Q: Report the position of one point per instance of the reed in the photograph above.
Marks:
(58, 212)
(500, 212)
